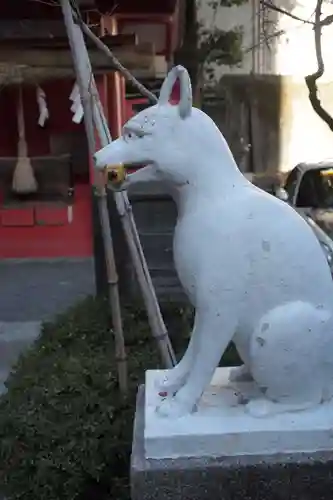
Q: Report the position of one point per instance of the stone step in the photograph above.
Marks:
(3, 377)
(19, 330)
(15, 337)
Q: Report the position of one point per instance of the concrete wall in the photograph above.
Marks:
(274, 114)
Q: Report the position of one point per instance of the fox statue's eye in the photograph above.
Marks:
(129, 136)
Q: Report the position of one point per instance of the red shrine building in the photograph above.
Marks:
(55, 221)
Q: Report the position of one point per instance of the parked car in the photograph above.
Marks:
(309, 189)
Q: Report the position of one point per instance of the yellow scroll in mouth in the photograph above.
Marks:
(326, 172)
(115, 174)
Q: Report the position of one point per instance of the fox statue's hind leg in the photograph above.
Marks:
(288, 358)
(240, 374)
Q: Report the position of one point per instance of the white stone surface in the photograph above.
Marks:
(222, 427)
(249, 263)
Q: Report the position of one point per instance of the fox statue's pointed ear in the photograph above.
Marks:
(185, 101)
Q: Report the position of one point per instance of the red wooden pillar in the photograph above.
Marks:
(115, 86)
(116, 103)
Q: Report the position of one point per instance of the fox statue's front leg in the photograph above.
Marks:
(173, 379)
(211, 336)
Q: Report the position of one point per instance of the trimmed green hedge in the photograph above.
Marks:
(65, 432)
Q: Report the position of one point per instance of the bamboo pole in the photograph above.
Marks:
(83, 77)
(124, 208)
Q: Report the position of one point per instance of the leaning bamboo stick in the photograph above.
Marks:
(124, 208)
(155, 318)
(157, 324)
(83, 77)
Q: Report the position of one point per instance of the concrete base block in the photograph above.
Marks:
(284, 476)
(221, 424)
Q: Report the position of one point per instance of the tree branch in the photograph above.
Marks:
(267, 39)
(327, 20)
(311, 80)
(323, 22)
(274, 7)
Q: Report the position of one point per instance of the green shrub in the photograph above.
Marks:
(65, 432)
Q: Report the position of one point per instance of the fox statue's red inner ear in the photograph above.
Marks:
(175, 93)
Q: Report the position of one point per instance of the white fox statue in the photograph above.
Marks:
(250, 265)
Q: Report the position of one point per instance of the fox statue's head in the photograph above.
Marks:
(175, 140)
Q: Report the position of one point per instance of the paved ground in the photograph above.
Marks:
(31, 292)
(34, 291)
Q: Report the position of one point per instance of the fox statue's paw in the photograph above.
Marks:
(170, 382)
(260, 408)
(174, 407)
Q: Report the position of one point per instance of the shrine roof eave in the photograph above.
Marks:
(44, 63)
(28, 9)
(148, 7)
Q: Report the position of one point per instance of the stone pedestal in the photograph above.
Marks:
(221, 452)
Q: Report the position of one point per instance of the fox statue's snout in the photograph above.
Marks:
(111, 155)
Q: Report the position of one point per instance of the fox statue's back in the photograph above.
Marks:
(250, 265)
